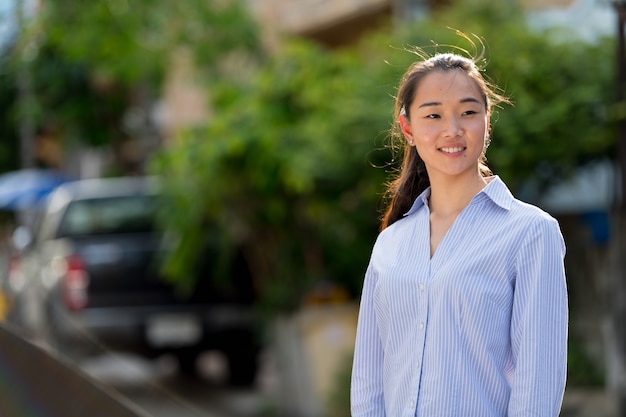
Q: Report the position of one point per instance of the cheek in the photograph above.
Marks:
(478, 129)
(424, 134)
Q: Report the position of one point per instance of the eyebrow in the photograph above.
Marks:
(436, 103)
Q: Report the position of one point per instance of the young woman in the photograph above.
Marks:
(464, 304)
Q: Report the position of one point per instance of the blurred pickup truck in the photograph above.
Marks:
(88, 280)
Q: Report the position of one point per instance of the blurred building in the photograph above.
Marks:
(340, 22)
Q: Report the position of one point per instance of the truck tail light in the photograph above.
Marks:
(75, 284)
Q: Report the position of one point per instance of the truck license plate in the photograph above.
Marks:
(173, 330)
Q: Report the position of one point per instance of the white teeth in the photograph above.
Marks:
(452, 150)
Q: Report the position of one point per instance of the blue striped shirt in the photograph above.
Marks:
(479, 329)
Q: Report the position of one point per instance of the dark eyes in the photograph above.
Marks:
(438, 116)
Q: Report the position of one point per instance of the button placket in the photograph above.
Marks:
(421, 319)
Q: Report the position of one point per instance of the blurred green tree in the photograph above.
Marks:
(290, 167)
(283, 170)
(92, 63)
(562, 106)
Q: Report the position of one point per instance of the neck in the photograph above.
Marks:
(449, 196)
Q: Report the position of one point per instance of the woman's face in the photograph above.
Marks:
(447, 123)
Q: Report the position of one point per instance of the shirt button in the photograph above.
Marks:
(421, 287)
(422, 326)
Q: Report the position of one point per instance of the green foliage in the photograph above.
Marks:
(291, 165)
(560, 117)
(279, 150)
(581, 370)
(92, 62)
(69, 102)
(133, 41)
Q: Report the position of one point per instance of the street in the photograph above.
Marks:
(34, 377)
(155, 387)
(121, 384)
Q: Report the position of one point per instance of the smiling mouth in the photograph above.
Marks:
(452, 150)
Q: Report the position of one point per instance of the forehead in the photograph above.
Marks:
(446, 86)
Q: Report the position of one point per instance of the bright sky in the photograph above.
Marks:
(6, 20)
(7, 17)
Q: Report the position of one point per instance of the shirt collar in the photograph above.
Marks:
(498, 192)
(495, 190)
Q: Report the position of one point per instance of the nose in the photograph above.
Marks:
(453, 128)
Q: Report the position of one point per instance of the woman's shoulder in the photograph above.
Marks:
(403, 228)
(530, 212)
(517, 209)
(533, 223)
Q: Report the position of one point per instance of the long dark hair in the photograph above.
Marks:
(412, 179)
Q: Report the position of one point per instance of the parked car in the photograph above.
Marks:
(91, 278)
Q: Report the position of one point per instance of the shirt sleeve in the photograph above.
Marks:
(539, 324)
(366, 391)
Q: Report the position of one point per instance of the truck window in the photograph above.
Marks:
(131, 214)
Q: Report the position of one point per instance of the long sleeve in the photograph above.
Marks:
(366, 393)
(539, 324)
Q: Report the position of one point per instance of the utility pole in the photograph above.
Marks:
(620, 8)
(617, 293)
(25, 97)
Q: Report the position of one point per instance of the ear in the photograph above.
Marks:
(405, 127)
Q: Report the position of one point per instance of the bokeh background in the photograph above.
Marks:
(266, 122)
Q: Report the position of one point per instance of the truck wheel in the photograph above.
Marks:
(242, 367)
(187, 362)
